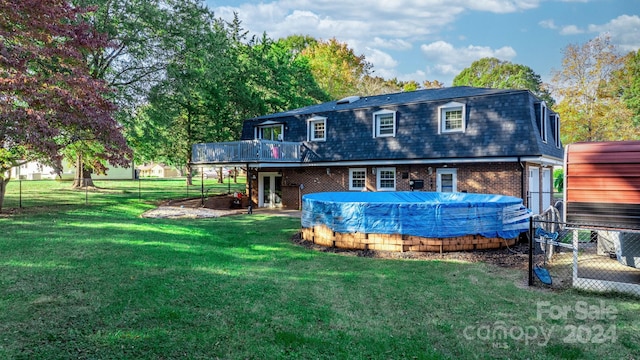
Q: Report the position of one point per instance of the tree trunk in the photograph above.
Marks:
(83, 176)
(3, 189)
(189, 176)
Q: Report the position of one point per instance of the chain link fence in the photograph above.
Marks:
(25, 194)
(584, 256)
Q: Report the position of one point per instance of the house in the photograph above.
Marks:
(157, 170)
(457, 139)
(33, 170)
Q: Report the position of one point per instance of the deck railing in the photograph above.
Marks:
(246, 151)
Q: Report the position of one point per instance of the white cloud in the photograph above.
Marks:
(380, 59)
(623, 30)
(447, 61)
(548, 24)
(571, 30)
(501, 6)
(393, 44)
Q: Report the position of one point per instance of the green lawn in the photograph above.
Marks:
(98, 281)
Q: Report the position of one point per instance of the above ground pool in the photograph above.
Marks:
(413, 221)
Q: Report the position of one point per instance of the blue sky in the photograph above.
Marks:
(435, 39)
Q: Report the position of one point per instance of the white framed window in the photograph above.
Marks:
(358, 179)
(452, 117)
(447, 180)
(386, 179)
(384, 123)
(555, 123)
(317, 129)
(542, 121)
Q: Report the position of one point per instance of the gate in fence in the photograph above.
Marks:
(585, 256)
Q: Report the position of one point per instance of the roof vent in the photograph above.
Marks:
(348, 100)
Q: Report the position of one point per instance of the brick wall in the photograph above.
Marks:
(492, 178)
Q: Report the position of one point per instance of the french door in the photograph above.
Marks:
(270, 190)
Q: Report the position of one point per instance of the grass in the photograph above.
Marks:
(100, 282)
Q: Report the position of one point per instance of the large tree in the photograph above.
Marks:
(500, 74)
(48, 97)
(589, 108)
(131, 65)
(279, 79)
(336, 68)
(194, 84)
(340, 72)
(219, 78)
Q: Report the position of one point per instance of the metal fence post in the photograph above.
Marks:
(530, 252)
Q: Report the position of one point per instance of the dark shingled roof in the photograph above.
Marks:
(450, 93)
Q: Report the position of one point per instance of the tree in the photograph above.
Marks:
(49, 99)
(295, 44)
(435, 84)
(591, 109)
(131, 65)
(279, 78)
(376, 85)
(194, 87)
(218, 79)
(498, 74)
(336, 68)
(629, 84)
(411, 85)
(338, 71)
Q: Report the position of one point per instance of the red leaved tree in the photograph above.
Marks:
(48, 100)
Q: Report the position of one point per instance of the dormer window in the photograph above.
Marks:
(269, 130)
(452, 117)
(317, 129)
(384, 123)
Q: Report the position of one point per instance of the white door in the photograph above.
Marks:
(446, 180)
(534, 189)
(546, 188)
(269, 190)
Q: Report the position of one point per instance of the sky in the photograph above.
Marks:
(436, 39)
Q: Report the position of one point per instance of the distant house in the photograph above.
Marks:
(458, 139)
(33, 171)
(158, 170)
(37, 171)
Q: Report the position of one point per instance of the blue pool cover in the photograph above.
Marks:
(426, 214)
